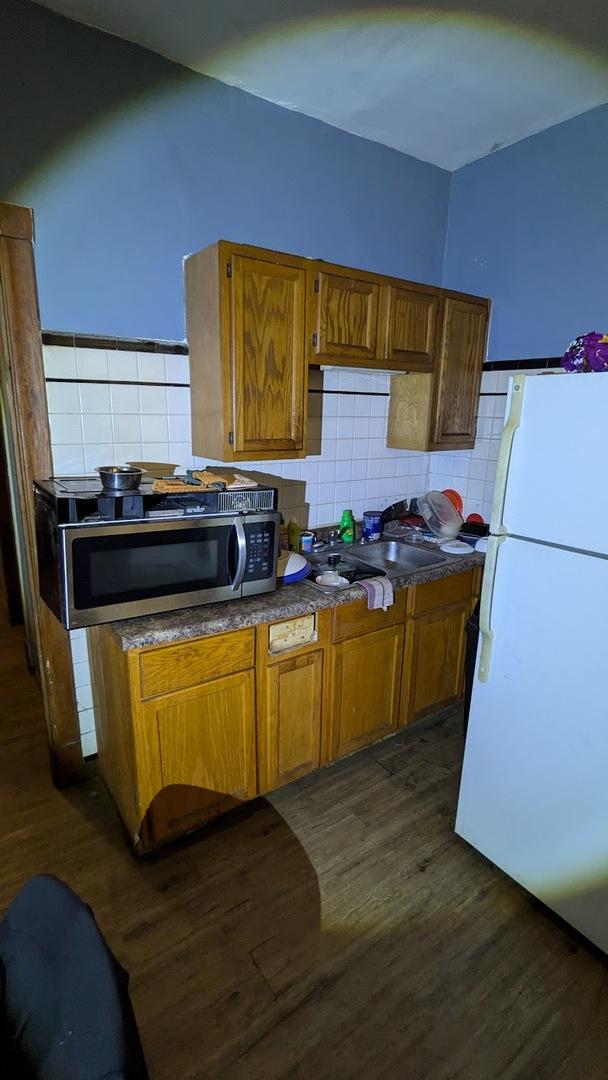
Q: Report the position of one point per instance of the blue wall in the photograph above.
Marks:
(528, 227)
(130, 162)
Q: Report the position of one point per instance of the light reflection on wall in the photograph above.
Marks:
(358, 70)
(447, 88)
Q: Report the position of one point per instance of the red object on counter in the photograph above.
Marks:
(454, 497)
(475, 519)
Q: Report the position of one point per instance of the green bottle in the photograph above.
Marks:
(347, 527)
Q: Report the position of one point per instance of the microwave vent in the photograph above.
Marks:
(246, 500)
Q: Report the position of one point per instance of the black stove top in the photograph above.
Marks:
(86, 486)
(83, 500)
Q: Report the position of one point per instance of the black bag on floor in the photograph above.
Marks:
(66, 1012)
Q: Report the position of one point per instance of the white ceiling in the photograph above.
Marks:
(445, 84)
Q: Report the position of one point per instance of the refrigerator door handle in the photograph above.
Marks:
(485, 610)
(512, 423)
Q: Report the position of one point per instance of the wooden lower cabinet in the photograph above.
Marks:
(433, 670)
(290, 714)
(206, 739)
(189, 730)
(366, 687)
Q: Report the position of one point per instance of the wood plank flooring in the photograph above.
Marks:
(338, 930)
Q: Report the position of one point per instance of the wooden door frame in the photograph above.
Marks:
(28, 447)
(10, 602)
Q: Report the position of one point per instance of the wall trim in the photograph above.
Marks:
(98, 341)
(523, 365)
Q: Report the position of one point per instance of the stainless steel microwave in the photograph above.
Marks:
(96, 571)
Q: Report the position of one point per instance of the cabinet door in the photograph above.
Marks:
(289, 719)
(347, 317)
(433, 671)
(366, 686)
(267, 315)
(460, 362)
(409, 327)
(206, 737)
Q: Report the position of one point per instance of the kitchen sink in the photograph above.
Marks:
(395, 556)
(390, 557)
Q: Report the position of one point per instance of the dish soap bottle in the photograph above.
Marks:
(293, 534)
(347, 527)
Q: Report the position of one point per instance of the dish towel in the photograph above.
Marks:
(379, 591)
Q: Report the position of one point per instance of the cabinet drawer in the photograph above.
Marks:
(350, 620)
(440, 593)
(291, 634)
(176, 667)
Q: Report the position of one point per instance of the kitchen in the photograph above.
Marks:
(127, 398)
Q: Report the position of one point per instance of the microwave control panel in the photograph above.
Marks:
(260, 550)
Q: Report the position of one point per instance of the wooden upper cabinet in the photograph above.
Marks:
(344, 316)
(409, 324)
(245, 312)
(461, 357)
(268, 355)
(257, 318)
(436, 410)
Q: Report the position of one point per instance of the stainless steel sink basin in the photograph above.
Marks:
(398, 555)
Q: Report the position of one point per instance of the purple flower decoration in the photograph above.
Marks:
(589, 352)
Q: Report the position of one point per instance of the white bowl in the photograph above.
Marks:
(331, 578)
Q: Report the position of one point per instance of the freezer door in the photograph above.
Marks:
(552, 466)
(534, 788)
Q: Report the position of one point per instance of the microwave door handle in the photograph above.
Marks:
(241, 561)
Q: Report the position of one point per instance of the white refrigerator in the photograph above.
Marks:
(534, 788)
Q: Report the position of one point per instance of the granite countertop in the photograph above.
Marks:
(287, 602)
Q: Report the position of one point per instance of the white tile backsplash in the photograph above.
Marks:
(128, 451)
(157, 451)
(97, 454)
(178, 401)
(127, 428)
(65, 428)
(94, 398)
(97, 428)
(63, 397)
(82, 673)
(59, 361)
(124, 399)
(68, 460)
(122, 365)
(92, 363)
(89, 742)
(177, 368)
(154, 427)
(153, 399)
(151, 367)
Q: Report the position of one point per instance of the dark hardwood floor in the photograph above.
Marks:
(337, 930)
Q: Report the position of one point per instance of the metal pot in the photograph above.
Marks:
(119, 477)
